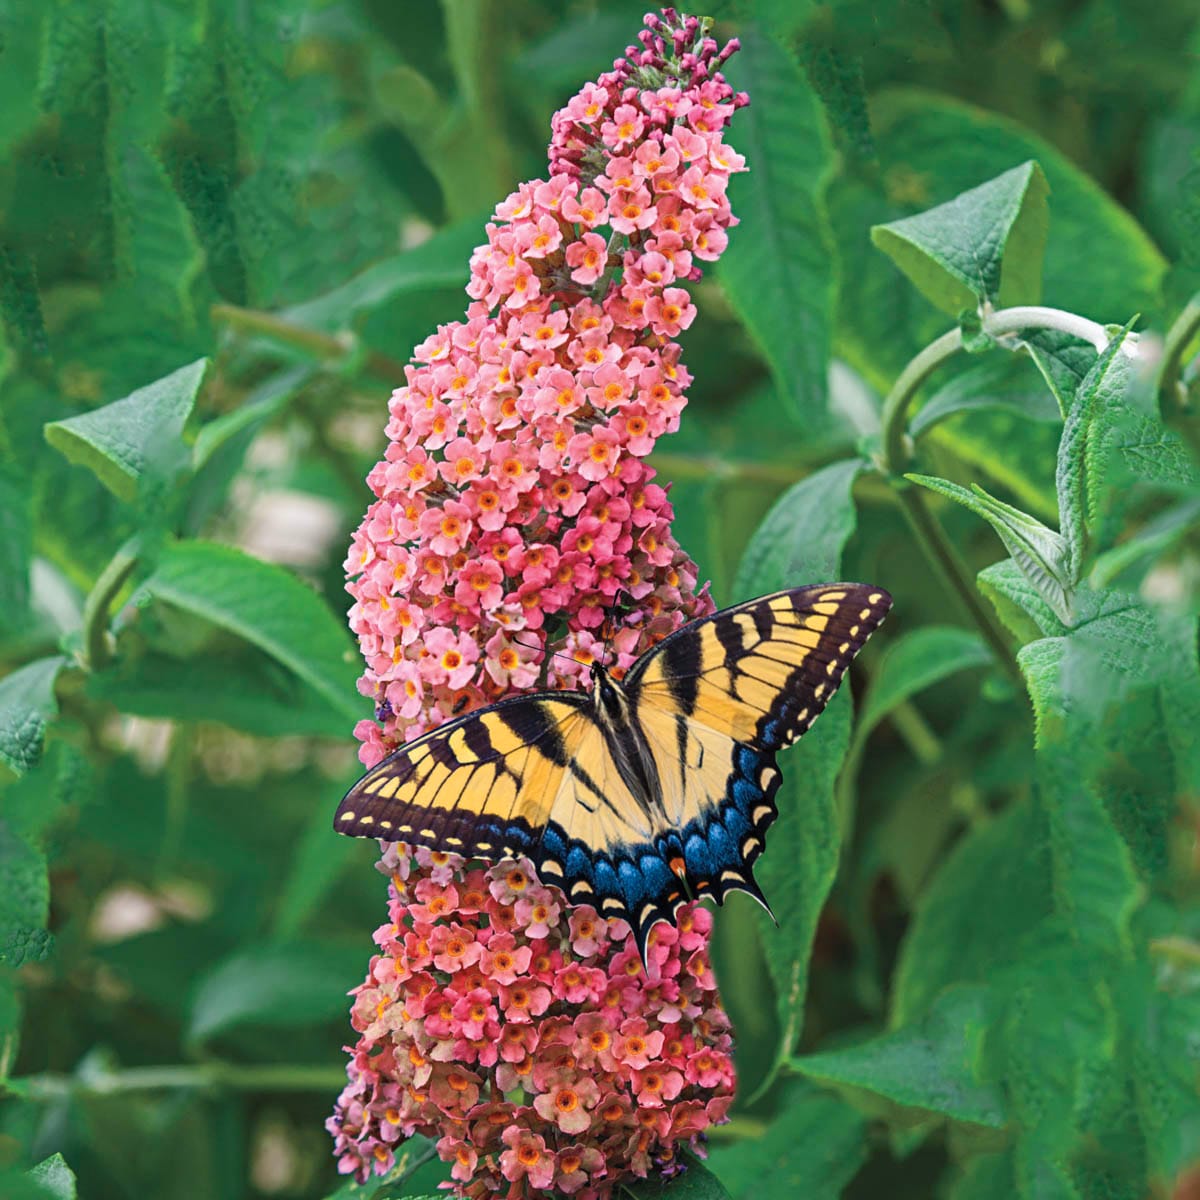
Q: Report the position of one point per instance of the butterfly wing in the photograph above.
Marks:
(483, 784)
(530, 776)
(717, 699)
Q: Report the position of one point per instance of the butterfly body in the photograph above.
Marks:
(640, 793)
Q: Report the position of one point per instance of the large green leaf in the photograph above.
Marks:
(1001, 381)
(984, 904)
(935, 1064)
(801, 541)
(24, 898)
(931, 149)
(26, 704)
(985, 245)
(275, 985)
(134, 446)
(778, 272)
(813, 1147)
(268, 607)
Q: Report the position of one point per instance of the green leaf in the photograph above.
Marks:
(54, 1177)
(935, 1064)
(1017, 602)
(812, 1148)
(278, 984)
(990, 896)
(134, 446)
(268, 607)
(914, 662)
(26, 704)
(1075, 481)
(249, 691)
(779, 270)
(801, 541)
(440, 262)
(696, 1183)
(985, 245)
(1003, 382)
(24, 893)
(1038, 551)
(1063, 359)
(932, 147)
(16, 547)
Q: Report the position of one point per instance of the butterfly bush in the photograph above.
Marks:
(517, 536)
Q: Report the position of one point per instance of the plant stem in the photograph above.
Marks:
(261, 1077)
(324, 346)
(956, 575)
(1007, 321)
(691, 466)
(896, 450)
(1176, 408)
(96, 650)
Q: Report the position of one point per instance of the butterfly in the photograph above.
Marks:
(642, 792)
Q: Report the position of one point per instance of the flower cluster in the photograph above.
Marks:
(514, 510)
(528, 1038)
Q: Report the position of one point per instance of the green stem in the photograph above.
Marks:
(97, 651)
(897, 450)
(1006, 321)
(956, 575)
(206, 1076)
(1177, 410)
(691, 466)
(319, 345)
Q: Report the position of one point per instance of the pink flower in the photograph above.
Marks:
(567, 1102)
(526, 1158)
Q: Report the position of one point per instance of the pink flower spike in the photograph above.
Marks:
(514, 536)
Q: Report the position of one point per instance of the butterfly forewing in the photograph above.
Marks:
(482, 784)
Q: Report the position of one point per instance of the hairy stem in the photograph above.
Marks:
(323, 346)
(96, 650)
(1176, 407)
(261, 1077)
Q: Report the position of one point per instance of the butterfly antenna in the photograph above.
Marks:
(545, 650)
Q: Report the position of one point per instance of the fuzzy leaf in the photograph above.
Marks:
(984, 245)
(801, 541)
(134, 446)
(778, 272)
(280, 984)
(26, 703)
(24, 894)
(268, 607)
(812, 1148)
(934, 1064)
(54, 1177)
(1038, 551)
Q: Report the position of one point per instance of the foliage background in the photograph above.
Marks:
(1002, 994)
